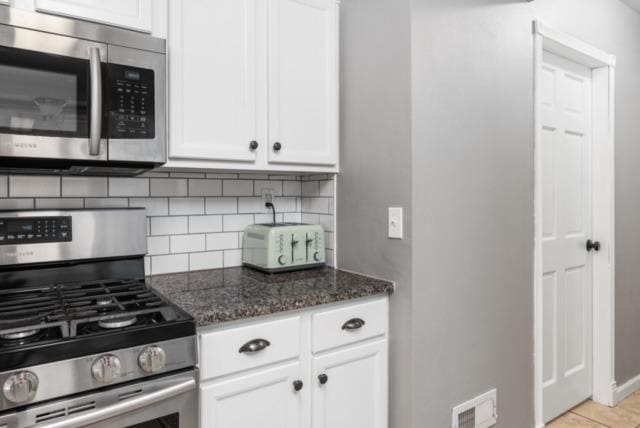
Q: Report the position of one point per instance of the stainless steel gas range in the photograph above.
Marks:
(83, 340)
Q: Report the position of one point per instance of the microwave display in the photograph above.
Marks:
(130, 105)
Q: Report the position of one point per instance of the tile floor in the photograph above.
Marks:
(593, 415)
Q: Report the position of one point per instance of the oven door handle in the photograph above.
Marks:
(95, 118)
(181, 385)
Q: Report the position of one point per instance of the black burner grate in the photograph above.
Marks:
(75, 309)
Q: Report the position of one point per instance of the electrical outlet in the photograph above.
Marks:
(267, 195)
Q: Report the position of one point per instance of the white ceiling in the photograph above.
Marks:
(633, 3)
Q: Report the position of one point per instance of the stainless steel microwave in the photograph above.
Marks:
(79, 98)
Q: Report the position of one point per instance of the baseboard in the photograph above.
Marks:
(626, 389)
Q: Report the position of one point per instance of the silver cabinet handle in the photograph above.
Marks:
(256, 345)
(125, 406)
(95, 115)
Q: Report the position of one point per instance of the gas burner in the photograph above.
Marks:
(117, 322)
(19, 335)
(104, 301)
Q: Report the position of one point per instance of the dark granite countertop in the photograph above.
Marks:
(229, 294)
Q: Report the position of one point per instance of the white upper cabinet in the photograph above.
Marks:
(212, 67)
(247, 74)
(132, 14)
(303, 87)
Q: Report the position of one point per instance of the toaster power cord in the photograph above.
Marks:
(273, 209)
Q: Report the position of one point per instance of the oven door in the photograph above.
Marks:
(165, 402)
(50, 96)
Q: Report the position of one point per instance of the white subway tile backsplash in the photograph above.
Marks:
(274, 186)
(84, 186)
(203, 187)
(221, 205)
(194, 220)
(232, 258)
(205, 260)
(16, 204)
(128, 186)
(4, 187)
(169, 225)
(169, 263)
(187, 243)
(205, 223)
(186, 206)
(237, 188)
(106, 203)
(237, 222)
(154, 206)
(58, 203)
(310, 188)
(222, 241)
(157, 245)
(33, 186)
(168, 187)
(292, 188)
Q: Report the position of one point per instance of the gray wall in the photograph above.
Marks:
(375, 158)
(464, 309)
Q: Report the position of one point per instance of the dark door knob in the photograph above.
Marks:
(593, 245)
(323, 378)
(297, 385)
(277, 146)
(253, 145)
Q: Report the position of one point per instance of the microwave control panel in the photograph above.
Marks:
(131, 102)
(34, 230)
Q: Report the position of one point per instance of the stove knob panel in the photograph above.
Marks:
(20, 387)
(106, 369)
(152, 359)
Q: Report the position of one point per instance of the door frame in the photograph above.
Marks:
(602, 65)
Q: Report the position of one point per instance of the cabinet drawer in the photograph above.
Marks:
(236, 349)
(349, 324)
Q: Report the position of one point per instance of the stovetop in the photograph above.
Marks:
(65, 320)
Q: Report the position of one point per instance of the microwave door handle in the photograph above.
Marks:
(137, 403)
(95, 118)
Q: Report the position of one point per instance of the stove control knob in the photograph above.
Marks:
(20, 387)
(106, 369)
(152, 359)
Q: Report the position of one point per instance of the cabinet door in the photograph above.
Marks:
(355, 392)
(266, 399)
(303, 81)
(212, 80)
(133, 14)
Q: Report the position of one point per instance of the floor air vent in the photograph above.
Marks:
(481, 412)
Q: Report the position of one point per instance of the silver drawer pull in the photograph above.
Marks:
(353, 324)
(256, 345)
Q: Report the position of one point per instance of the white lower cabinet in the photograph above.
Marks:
(266, 399)
(354, 393)
(278, 379)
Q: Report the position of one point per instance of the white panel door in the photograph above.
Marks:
(566, 226)
(213, 96)
(354, 394)
(133, 14)
(266, 399)
(303, 81)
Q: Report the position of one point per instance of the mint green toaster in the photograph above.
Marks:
(283, 247)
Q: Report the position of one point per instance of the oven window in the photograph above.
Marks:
(170, 421)
(42, 94)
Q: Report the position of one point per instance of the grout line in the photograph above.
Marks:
(589, 419)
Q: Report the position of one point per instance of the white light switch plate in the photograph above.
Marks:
(395, 222)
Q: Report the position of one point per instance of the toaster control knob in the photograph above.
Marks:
(152, 359)
(316, 256)
(282, 260)
(106, 369)
(20, 387)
